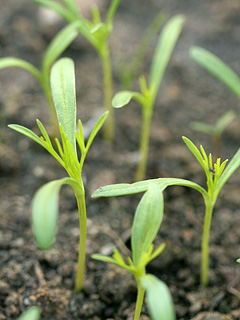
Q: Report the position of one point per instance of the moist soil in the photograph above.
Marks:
(46, 278)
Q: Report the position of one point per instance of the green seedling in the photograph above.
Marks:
(147, 221)
(215, 131)
(45, 201)
(128, 71)
(146, 98)
(58, 45)
(216, 177)
(32, 313)
(217, 68)
(97, 33)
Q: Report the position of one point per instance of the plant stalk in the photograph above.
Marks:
(108, 129)
(80, 196)
(140, 297)
(205, 243)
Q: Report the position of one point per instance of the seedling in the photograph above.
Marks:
(147, 221)
(217, 68)
(146, 98)
(58, 45)
(216, 177)
(32, 313)
(215, 131)
(45, 201)
(97, 33)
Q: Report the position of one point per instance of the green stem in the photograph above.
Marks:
(80, 196)
(205, 243)
(144, 144)
(108, 132)
(140, 297)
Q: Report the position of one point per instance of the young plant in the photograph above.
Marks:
(32, 313)
(147, 221)
(216, 177)
(146, 98)
(215, 131)
(217, 68)
(97, 33)
(58, 45)
(45, 201)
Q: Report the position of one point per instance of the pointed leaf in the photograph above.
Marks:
(111, 11)
(217, 68)
(95, 129)
(103, 258)
(147, 221)
(19, 63)
(122, 98)
(32, 313)
(59, 44)
(202, 127)
(45, 212)
(66, 14)
(64, 96)
(224, 121)
(165, 46)
(159, 300)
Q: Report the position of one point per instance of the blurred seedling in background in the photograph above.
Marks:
(147, 221)
(97, 33)
(146, 98)
(33, 313)
(45, 201)
(216, 177)
(58, 45)
(215, 131)
(128, 71)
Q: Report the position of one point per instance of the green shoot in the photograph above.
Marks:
(147, 97)
(215, 131)
(217, 68)
(216, 176)
(32, 313)
(97, 33)
(129, 71)
(147, 221)
(58, 45)
(45, 201)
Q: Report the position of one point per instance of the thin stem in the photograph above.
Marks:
(80, 195)
(108, 132)
(205, 243)
(140, 297)
(144, 144)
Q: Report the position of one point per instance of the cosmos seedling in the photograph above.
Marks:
(147, 221)
(146, 98)
(216, 130)
(97, 33)
(216, 176)
(58, 45)
(45, 201)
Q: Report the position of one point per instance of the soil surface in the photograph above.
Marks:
(46, 278)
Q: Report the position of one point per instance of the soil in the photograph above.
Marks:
(46, 278)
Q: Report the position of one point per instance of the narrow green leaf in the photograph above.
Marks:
(32, 313)
(95, 129)
(111, 11)
(122, 98)
(72, 6)
(59, 44)
(66, 14)
(159, 300)
(28, 133)
(19, 63)
(45, 212)
(64, 96)
(105, 259)
(202, 127)
(165, 46)
(142, 186)
(224, 121)
(217, 68)
(147, 221)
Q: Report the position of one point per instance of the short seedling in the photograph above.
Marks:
(147, 221)
(215, 131)
(97, 33)
(216, 178)
(32, 313)
(58, 45)
(45, 201)
(147, 97)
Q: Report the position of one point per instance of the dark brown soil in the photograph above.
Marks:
(32, 277)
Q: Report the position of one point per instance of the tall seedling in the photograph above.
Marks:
(45, 201)
(146, 98)
(216, 177)
(97, 33)
(58, 45)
